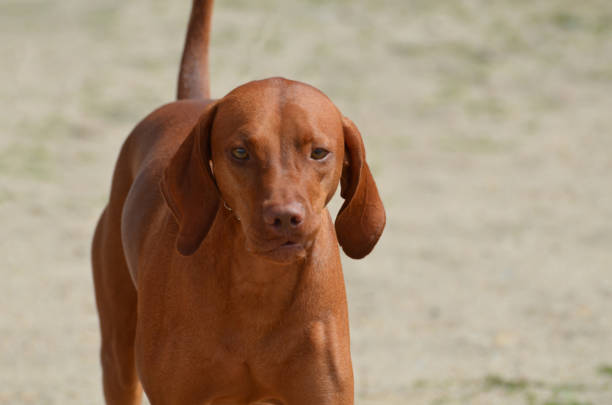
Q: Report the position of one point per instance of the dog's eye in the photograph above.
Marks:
(319, 153)
(240, 153)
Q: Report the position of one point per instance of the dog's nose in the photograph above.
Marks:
(284, 217)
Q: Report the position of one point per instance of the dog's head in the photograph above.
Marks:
(274, 151)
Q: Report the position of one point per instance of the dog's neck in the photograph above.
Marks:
(257, 283)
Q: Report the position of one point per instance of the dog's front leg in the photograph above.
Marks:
(320, 371)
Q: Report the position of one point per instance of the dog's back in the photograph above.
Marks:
(143, 156)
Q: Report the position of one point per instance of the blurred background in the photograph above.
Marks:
(488, 128)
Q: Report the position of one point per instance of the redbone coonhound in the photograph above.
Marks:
(216, 264)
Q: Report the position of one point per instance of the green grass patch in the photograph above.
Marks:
(566, 402)
(605, 370)
(510, 385)
(566, 20)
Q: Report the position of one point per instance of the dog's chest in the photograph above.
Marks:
(238, 364)
(230, 351)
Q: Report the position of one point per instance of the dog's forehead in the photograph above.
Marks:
(278, 104)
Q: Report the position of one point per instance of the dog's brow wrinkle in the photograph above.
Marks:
(308, 138)
(244, 134)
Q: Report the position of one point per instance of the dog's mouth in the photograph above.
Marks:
(283, 248)
(284, 251)
(289, 245)
(288, 251)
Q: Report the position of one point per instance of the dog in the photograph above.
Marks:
(216, 263)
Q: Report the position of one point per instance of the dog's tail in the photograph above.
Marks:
(193, 81)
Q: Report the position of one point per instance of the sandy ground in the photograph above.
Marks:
(488, 129)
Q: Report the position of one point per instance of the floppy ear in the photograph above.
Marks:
(189, 188)
(361, 220)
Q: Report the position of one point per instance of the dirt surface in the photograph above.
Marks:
(488, 128)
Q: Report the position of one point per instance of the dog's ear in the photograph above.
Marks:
(189, 188)
(361, 220)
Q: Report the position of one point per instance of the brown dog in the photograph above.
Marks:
(216, 267)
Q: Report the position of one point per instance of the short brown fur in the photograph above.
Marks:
(218, 279)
